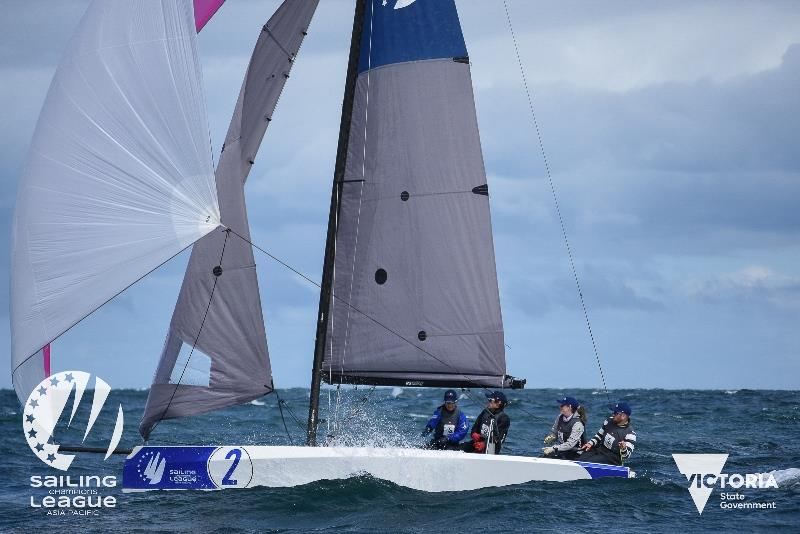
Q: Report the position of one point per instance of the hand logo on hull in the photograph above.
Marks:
(154, 470)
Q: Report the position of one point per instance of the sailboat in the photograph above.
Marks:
(409, 291)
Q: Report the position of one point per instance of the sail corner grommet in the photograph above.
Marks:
(217, 271)
(404, 196)
(422, 335)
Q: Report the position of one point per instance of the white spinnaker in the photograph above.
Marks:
(120, 176)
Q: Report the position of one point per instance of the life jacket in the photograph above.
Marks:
(613, 435)
(564, 430)
(448, 422)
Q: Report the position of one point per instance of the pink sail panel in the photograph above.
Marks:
(46, 359)
(204, 10)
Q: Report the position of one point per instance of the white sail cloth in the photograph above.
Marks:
(120, 175)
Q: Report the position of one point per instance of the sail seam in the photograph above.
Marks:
(412, 61)
(275, 39)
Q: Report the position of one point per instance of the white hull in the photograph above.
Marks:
(226, 467)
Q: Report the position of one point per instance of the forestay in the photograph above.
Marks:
(120, 175)
(415, 295)
(216, 353)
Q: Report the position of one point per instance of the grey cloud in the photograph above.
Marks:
(754, 286)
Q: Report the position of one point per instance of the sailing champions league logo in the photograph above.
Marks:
(45, 405)
(704, 473)
(65, 494)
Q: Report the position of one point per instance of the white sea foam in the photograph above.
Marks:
(786, 477)
(396, 392)
(731, 391)
(256, 402)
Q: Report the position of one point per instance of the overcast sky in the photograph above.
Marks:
(671, 129)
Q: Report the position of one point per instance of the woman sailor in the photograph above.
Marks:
(568, 431)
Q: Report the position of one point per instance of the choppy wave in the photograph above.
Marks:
(786, 477)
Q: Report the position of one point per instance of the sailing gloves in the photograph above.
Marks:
(477, 442)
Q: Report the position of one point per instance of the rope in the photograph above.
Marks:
(197, 337)
(481, 404)
(300, 425)
(283, 419)
(555, 200)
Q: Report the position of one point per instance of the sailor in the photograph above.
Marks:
(568, 431)
(491, 427)
(448, 424)
(615, 440)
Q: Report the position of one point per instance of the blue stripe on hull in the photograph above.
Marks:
(396, 31)
(603, 470)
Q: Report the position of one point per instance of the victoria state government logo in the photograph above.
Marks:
(704, 473)
(45, 405)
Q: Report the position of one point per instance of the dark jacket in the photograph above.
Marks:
(606, 441)
(499, 430)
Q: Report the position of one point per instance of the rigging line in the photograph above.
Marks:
(300, 425)
(367, 316)
(280, 408)
(482, 406)
(103, 304)
(196, 339)
(555, 200)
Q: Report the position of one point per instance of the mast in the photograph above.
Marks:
(327, 266)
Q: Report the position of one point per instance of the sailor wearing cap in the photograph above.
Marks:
(614, 442)
(568, 431)
(491, 427)
(448, 424)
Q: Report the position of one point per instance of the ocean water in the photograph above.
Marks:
(758, 429)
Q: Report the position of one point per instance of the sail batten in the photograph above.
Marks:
(414, 248)
(120, 176)
(217, 330)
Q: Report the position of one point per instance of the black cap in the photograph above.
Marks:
(497, 395)
(450, 396)
(621, 407)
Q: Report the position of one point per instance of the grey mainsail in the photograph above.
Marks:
(216, 353)
(414, 288)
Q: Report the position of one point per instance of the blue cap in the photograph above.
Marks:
(621, 407)
(450, 396)
(571, 401)
(497, 395)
